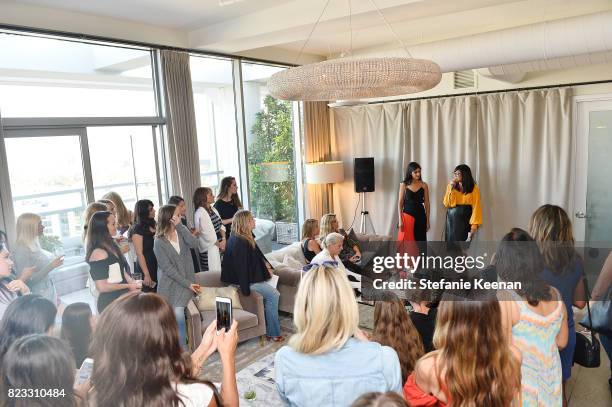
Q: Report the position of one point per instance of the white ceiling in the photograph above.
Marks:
(251, 25)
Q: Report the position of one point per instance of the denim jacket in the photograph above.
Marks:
(336, 378)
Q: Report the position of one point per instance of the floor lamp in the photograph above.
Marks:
(327, 172)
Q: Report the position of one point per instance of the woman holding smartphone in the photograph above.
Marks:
(464, 211)
(175, 270)
(107, 266)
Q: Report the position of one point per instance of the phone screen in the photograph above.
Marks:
(84, 372)
(224, 313)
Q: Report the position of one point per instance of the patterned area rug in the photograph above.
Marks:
(252, 351)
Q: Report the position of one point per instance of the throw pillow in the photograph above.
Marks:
(205, 301)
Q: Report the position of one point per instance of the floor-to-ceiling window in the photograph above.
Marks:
(215, 111)
(79, 119)
(271, 150)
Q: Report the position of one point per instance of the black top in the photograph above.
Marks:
(425, 324)
(148, 237)
(413, 202)
(309, 254)
(227, 210)
(100, 270)
(243, 265)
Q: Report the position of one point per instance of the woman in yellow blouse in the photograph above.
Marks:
(462, 199)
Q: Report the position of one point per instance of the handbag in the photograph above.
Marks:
(586, 352)
(601, 316)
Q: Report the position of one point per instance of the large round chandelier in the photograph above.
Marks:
(355, 78)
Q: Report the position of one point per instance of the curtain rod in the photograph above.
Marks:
(88, 37)
(566, 85)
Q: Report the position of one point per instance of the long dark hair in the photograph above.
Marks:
(483, 375)
(76, 329)
(39, 362)
(138, 356)
(141, 213)
(393, 327)
(226, 183)
(467, 180)
(98, 236)
(518, 258)
(413, 166)
(29, 314)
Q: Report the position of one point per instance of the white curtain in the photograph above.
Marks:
(518, 144)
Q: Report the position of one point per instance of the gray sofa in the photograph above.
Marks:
(251, 319)
(288, 263)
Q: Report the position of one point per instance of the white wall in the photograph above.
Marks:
(589, 73)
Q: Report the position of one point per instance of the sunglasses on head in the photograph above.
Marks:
(327, 263)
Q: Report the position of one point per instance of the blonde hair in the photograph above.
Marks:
(326, 224)
(164, 221)
(27, 230)
(123, 214)
(310, 225)
(241, 228)
(88, 213)
(551, 228)
(325, 312)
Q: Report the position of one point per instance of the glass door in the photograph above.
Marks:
(592, 217)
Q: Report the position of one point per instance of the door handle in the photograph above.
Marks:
(581, 215)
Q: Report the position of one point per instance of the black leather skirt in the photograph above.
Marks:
(458, 223)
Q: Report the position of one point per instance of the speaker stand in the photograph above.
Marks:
(365, 217)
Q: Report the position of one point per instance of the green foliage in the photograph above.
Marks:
(50, 243)
(272, 142)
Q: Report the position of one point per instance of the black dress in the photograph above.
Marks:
(100, 269)
(425, 325)
(147, 250)
(308, 254)
(226, 210)
(414, 205)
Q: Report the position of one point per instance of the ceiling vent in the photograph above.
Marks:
(464, 79)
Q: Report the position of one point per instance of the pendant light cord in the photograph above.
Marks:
(397, 37)
(311, 31)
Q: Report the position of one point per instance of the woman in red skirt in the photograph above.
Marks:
(413, 208)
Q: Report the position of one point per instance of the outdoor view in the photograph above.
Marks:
(271, 155)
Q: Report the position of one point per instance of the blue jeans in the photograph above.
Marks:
(179, 313)
(606, 342)
(270, 297)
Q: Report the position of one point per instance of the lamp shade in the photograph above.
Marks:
(327, 172)
(277, 171)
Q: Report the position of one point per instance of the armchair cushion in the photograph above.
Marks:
(245, 319)
(206, 299)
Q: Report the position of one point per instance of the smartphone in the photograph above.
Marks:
(84, 372)
(224, 313)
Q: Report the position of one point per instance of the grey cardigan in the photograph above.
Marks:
(175, 271)
(40, 282)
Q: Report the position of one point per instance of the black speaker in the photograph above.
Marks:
(363, 174)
